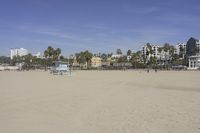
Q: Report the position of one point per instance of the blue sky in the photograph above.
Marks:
(96, 25)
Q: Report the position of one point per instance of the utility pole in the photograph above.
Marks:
(69, 66)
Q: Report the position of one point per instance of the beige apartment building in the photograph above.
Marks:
(96, 62)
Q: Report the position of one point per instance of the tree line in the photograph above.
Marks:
(136, 59)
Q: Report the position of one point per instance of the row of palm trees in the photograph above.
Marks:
(84, 57)
(52, 53)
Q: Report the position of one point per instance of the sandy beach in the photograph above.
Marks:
(100, 102)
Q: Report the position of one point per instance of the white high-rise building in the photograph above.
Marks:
(18, 52)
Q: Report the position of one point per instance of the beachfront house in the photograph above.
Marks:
(96, 62)
(194, 62)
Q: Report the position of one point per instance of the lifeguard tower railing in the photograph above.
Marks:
(60, 67)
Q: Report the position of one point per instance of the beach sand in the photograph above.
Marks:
(100, 102)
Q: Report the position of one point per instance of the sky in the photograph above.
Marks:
(96, 25)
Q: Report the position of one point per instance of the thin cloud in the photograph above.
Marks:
(56, 34)
(155, 31)
(177, 18)
(97, 27)
(50, 32)
(139, 10)
(58, 43)
(155, 35)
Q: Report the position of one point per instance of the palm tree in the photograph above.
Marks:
(80, 58)
(49, 52)
(129, 52)
(122, 59)
(46, 54)
(160, 49)
(168, 47)
(119, 51)
(88, 57)
(134, 59)
(16, 59)
(28, 60)
(149, 49)
(104, 56)
(56, 53)
(84, 57)
(153, 61)
(51, 55)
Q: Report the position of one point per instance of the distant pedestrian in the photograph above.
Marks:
(147, 70)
